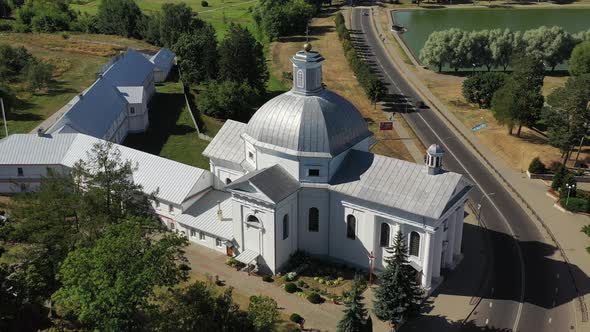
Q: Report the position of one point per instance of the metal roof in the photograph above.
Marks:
(130, 69)
(247, 256)
(324, 125)
(163, 59)
(274, 182)
(173, 181)
(228, 144)
(93, 112)
(20, 149)
(435, 149)
(396, 183)
(203, 215)
(133, 94)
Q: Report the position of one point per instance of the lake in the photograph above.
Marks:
(421, 23)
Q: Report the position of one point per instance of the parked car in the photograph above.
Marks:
(3, 218)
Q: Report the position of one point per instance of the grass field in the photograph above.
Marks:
(220, 13)
(171, 133)
(76, 61)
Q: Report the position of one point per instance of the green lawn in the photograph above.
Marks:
(171, 133)
(220, 13)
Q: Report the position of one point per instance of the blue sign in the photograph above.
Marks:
(479, 127)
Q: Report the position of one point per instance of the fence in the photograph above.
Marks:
(186, 91)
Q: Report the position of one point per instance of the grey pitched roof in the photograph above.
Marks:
(396, 183)
(274, 182)
(163, 59)
(133, 94)
(173, 181)
(228, 144)
(131, 69)
(93, 112)
(203, 215)
(318, 125)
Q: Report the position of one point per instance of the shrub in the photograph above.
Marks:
(315, 298)
(537, 166)
(560, 174)
(231, 262)
(290, 287)
(579, 62)
(575, 204)
(568, 180)
(554, 166)
(301, 283)
(65, 35)
(586, 230)
(296, 318)
(480, 88)
(5, 26)
(204, 4)
(267, 278)
(291, 276)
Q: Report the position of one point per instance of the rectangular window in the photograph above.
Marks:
(201, 236)
(20, 171)
(250, 155)
(170, 208)
(313, 172)
(157, 204)
(218, 243)
(132, 110)
(49, 171)
(23, 187)
(446, 226)
(193, 233)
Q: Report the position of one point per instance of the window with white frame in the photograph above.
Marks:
(414, 244)
(300, 78)
(350, 227)
(193, 233)
(202, 236)
(384, 241)
(218, 243)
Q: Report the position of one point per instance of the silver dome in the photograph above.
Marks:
(435, 149)
(317, 125)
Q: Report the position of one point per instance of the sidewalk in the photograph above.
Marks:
(563, 229)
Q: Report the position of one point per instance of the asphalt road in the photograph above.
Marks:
(524, 289)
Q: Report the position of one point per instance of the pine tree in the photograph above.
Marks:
(355, 314)
(399, 295)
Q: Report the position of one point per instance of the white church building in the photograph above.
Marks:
(297, 176)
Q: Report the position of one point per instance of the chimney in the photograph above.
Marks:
(219, 212)
(40, 131)
(433, 159)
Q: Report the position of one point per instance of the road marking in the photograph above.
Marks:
(506, 223)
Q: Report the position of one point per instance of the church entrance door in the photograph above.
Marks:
(230, 251)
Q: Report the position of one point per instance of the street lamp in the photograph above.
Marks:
(479, 204)
(371, 260)
(569, 189)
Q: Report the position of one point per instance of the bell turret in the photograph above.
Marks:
(433, 159)
(307, 71)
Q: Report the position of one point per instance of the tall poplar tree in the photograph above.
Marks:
(399, 295)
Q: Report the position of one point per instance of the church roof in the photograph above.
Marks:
(322, 125)
(130, 69)
(397, 183)
(273, 182)
(203, 215)
(228, 144)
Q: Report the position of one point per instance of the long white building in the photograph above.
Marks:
(297, 176)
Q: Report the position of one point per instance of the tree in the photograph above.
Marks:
(44, 15)
(13, 61)
(568, 116)
(461, 44)
(227, 100)
(398, 296)
(501, 44)
(355, 314)
(176, 20)
(38, 75)
(276, 18)
(582, 36)
(480, 53)
(119, 17)
(197, 55)
(436, 52)
(197, 308)
(241, 58)
(550, 45)
(264, 312)
(559, 176)
(480, 87)
(107, 285)
(519, 101)
(5, 8)
(579, 62)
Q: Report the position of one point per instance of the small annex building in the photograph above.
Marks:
(163, 62)
(116, 104)
(298, 176)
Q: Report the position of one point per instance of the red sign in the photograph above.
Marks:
(386, 125)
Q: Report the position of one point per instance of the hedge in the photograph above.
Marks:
(290, 287)
(537, 166)
(371, 84)
(315, 298)
(296, 318)
(575, 204)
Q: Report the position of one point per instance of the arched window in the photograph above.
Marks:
(414, 244)
(314, 220)
(300, 78)
(227, 181)
(252, 219)
(384, 242)
(350, 226)
(285, 226)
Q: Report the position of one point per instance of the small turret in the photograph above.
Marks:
(433, 159)
(307, 71)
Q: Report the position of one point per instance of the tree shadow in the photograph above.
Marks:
(443, 324)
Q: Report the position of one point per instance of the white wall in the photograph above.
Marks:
(32, 174)
(267, 158)
(314, 242)
(285, 247)
(209, 241)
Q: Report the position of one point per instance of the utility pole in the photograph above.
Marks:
(4, 117)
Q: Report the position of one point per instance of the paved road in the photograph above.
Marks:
(525, 289)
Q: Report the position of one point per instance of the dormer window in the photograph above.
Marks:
(313, 172)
